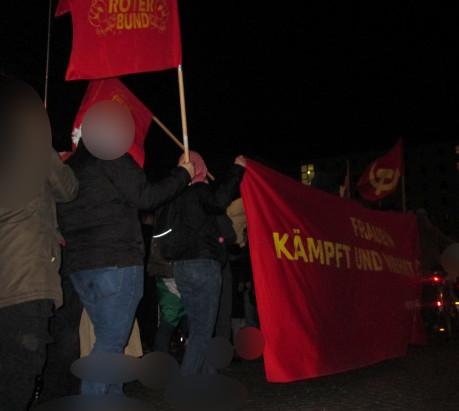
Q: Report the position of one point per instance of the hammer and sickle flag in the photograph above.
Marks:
(382, 177)
(114, 89)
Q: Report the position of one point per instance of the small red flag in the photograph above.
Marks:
(116, 37)
(114, 89)
(381, 178)
(62, 8)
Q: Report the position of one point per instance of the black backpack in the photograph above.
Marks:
(171, 233)
(167, 244)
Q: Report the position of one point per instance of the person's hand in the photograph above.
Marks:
(188, 167)
(241, 161)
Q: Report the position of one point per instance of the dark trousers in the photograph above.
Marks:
(147, 314)
(23, 340)
(223, 326)
(58, 381)
(199, 284)
(164, 336)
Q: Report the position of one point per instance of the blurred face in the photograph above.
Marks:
(25, 134)
(108, 130)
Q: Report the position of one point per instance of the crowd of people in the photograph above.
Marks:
(89, 208)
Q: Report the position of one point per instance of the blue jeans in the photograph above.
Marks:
(199, 283)
(111, 296)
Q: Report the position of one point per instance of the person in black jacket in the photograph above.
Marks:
(104, 255)
(197, 265)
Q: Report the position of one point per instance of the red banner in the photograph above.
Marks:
(381, 178)
(116, 37)
(337, 285)
(114, 89)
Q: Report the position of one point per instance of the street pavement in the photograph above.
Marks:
(427, 379)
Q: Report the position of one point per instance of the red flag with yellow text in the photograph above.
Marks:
(382, 177)
(337, 284)
(114, 89)
(116, 37)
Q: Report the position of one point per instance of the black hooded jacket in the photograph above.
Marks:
(199, 235)
(101, 227)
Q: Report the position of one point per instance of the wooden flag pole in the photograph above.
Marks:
(168, 132)
(403, 194)
(48, 52)
(186, 147)
(174, 139)
(345, 189)
(348, 179)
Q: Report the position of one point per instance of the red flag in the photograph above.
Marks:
(62, 8)
(114, 89)
(116, 37)
(337, 284)
(381, 178)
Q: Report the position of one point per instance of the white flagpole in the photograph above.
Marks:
(48, 52)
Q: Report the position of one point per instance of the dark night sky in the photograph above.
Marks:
(278, 80)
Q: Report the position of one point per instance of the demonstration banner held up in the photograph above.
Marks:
(115, 90)
(113, 37)
(337, 285)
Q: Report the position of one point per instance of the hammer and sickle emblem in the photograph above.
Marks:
(384, 179)
(99, 18)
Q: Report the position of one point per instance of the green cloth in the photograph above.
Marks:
(170, 304)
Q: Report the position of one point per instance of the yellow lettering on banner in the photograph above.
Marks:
(128, 21)
(137, 21)
(315, 251)
(113, 6)
(311, 250)
(363, 233)
(119, 21)
(347, 250)
(342, 250)
(399, 266)
(368, 260)
(124, 5)
(358, 258)
(377, 261)
(279, 245)
(142, 5)
(132, 21)
(298, 246)
(110, 15)
(355, 226)
(145, 20)
(370, 232)
(329, 251)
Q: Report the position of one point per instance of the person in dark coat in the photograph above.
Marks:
(198, 262)
(104, 256)
(32, 180)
